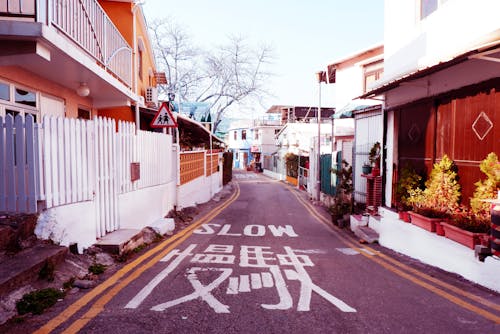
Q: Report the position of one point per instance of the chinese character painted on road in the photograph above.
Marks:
(275, 269)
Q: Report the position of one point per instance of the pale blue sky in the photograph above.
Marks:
(306, 35)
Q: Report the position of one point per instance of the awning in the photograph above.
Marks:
(479, 52)
(349, 110)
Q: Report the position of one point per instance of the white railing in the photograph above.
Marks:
(85, 22)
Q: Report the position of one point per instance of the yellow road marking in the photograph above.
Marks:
(388, 266)
(99, 305)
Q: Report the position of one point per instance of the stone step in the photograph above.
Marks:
(121, 241)
(367, 234)
(24, 267)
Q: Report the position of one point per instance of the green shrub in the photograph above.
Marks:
(38, 301)
(408, 180)
(441, 196)
(97, 268)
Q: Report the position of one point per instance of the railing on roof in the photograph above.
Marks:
(83, 21)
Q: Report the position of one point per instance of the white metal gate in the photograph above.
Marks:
(106, 186)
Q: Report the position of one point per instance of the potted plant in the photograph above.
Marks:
(366, 168)
(374, 157)
(408, 179)
(343, 202)
(487, 188)
(439, 199)
(466, 228)
(470, 227)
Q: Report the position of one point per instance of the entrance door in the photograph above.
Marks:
(52, 106)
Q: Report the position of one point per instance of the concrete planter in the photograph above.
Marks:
(466, 238)
(428, 224)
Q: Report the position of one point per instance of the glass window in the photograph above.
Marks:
(256, 134)
(427, 7)
(25, 97)
(243, 134)
(235, 135)
(83, 114)
(4, 92)
(14, 113)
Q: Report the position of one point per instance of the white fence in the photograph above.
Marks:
(66, 161)
(18, 164)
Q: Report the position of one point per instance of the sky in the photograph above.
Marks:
(305, 35)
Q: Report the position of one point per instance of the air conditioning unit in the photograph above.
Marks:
(152, 96)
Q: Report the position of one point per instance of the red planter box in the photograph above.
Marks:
(466, 238)
(404, 216)
(428, 224)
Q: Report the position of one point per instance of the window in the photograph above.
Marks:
(427, 7)
(14, 113)
(243, 134)
(83, 113)
(235, 135)
(372, 73)
(4, 92)
(25, 97)
(139, 64)
(276, 131)
(256, 134)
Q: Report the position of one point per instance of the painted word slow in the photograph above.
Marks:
(269, 270)
(249, 230)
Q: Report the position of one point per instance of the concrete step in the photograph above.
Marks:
(121, 241)
(24, 267)
(367, 234)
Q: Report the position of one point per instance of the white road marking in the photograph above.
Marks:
(364, 250)
(255, 281)
(286, 302)
(244, 284)
(267, 280)
(232, 288)
(200, 291)
(348, 251)
(139, 298)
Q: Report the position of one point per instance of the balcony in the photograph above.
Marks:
(76, 37)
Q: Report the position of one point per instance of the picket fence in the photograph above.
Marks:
(64, 161)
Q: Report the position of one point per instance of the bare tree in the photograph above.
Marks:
(223, 77)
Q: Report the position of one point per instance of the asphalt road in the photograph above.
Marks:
(267, 261)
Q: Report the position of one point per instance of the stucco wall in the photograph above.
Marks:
(32, 81)
(138, 209)
(67, 224)
(199, 190)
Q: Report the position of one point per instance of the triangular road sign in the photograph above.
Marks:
(164, 118)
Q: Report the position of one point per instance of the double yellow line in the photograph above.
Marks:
(410, 273)
(136, 268)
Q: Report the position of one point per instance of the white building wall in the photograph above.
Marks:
(349, 85)
(158, 200)
(454, 28)
(199, 190)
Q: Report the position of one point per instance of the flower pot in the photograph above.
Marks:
(366, 169)
(428, 224)
(466, 238)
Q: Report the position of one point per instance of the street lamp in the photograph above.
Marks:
(321, 77)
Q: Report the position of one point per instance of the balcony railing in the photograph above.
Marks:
(83, 21)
